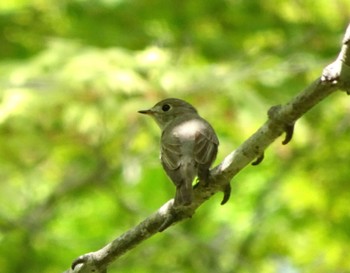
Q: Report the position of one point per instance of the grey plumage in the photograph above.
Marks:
(189, 145)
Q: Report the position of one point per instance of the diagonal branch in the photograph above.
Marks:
(281, 119)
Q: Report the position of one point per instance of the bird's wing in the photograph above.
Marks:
(206, 147)
(171, 154)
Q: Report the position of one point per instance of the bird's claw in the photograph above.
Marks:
(259, 159)
(86, 260)
(227, 194)
(289, 129)
(80, 260)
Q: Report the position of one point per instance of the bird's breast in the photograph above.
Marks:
(187, 130)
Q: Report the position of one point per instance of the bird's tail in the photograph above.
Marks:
(184, 193)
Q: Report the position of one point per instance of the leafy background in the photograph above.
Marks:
(79, 166)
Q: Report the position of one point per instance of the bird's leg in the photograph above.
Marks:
(204, 177)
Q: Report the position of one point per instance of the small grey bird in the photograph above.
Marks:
(188, 145)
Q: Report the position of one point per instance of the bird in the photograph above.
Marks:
(189, 145)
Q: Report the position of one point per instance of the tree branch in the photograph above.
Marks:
(281, 119)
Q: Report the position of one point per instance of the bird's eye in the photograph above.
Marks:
(166, 107)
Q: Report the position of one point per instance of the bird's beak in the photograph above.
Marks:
(146, 112)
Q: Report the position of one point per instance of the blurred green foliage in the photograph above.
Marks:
(79, 166)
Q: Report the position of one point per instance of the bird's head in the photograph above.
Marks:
(167, 110)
